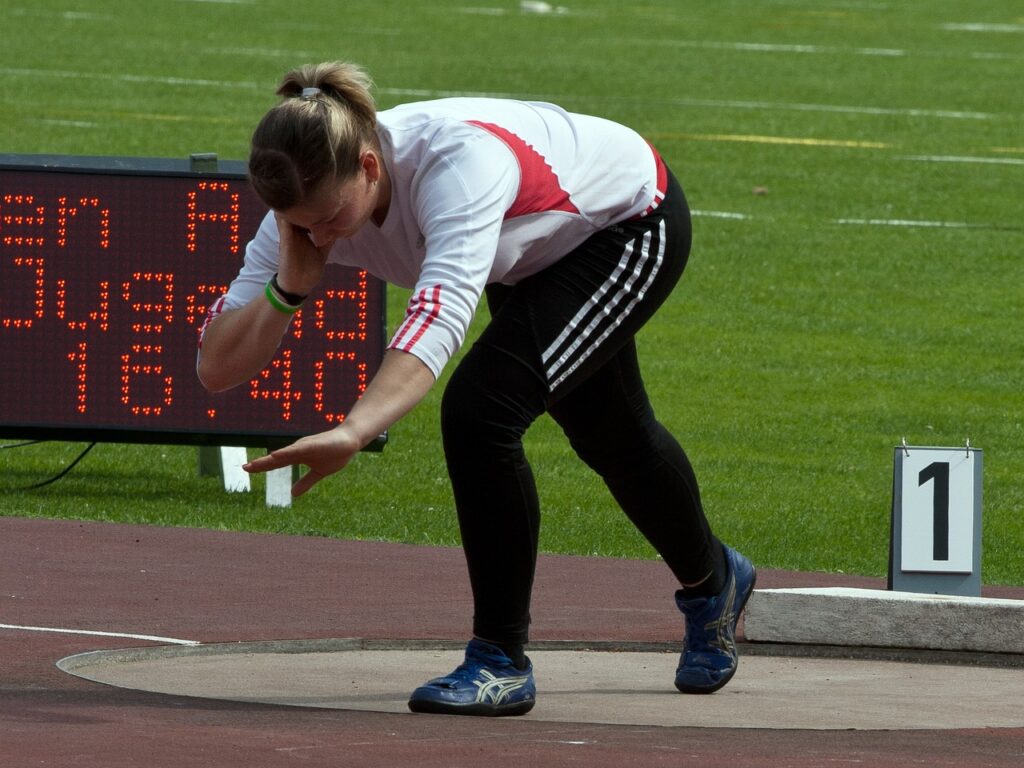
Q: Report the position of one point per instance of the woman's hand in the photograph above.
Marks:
(301, 263)
(400, 383)
(324, 453)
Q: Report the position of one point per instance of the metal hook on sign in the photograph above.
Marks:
(968, 447)
(906, 451)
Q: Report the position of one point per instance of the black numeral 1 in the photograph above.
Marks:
(939, 472)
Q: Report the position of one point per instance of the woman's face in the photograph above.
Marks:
(340, 209)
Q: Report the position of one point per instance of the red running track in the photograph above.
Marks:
(212, 586)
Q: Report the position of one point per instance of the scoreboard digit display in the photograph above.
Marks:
(107, 269)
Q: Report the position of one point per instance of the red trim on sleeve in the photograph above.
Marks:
(215, 309)
(420, 314)
(662, 183)
(539, 187)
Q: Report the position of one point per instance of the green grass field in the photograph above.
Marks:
(856, 168)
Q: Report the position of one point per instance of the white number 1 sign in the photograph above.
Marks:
(937, 519)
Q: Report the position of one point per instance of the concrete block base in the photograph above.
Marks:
(866, 617)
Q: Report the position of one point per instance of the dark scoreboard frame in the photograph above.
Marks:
(107, 268)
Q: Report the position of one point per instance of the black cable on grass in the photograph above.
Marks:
(56, 477)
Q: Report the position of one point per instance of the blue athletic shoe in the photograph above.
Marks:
(709, 657)
(486, 683)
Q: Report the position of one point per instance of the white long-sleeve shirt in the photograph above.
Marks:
(482, 190)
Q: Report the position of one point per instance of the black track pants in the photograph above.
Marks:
(562, 342)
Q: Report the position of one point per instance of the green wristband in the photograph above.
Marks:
(276, 303)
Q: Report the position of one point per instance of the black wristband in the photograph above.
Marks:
(292, 298)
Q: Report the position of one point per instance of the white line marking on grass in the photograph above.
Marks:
(963, 159)
(985, 56)
(68, 123)
(924, 224)
(908, 223)
(722, 215)
(780, 47)
(145, 116)
(526, 7)
(127, 78)
(62, 631)
(977, 27)
(66, 15)
(860, 222)
(830, 50)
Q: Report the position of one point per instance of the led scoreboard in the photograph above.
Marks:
(107, 268)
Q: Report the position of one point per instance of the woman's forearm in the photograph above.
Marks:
(239, 344)
(399, 384)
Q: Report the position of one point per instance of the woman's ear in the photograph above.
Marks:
(370, 162)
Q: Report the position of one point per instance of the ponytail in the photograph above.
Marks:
(318, 131)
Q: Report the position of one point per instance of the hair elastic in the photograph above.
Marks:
(310, 94)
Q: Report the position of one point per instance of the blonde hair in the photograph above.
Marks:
(318, 131)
